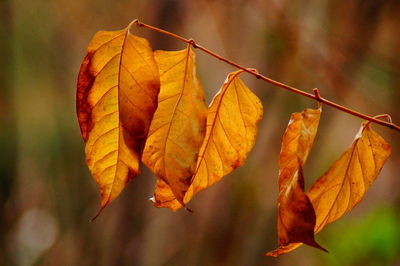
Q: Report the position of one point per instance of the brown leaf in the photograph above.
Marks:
(117, 93)
(178, 126)
(296, 216)
(231, 130)
(345, 183)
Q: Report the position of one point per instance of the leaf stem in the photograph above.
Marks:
(316, 96)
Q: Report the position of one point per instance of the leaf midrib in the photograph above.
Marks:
(175, 108)
(119, 120)
(202, 156)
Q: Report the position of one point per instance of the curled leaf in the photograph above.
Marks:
(231, 130)
(178, 126)
(117, 93)
(343, 186)
(296, 216)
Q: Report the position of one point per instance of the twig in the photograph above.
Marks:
(316, 96)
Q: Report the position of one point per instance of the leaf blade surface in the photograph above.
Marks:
(231, 129)
(178, 127)
(118, 85)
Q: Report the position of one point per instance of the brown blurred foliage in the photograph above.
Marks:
(348, 49)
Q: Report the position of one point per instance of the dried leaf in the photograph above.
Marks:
(117, 93)
(232, 122)
(296, 216)
(343, 186)
(178, 126)
(164, 198)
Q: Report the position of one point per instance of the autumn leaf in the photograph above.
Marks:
(231, 130)
(178, 127)
(164, 198)
(117, 93)
(343, 186)
(296, 216)
(345, 183)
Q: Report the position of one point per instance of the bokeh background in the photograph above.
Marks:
(348, 49)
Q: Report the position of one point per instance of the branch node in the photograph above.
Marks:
(318, 97)
(387, 116)
(137, 22)
(192, 43)
(255, 72)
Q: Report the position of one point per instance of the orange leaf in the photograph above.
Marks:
(178, 126)
(345, 183)
(231, 130)
(296, 216)
(117, 93)
(164, 198)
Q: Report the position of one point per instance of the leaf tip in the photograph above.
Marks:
(98, 213)
(188, 209)
(314, 244)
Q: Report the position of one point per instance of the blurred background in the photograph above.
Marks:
(348, 49)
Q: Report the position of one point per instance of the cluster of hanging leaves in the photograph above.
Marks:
(303, 214)
(135, 105)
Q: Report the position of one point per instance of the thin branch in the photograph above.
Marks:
(252, 71)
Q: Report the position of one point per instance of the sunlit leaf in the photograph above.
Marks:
(117, 93)
(345, 183)
(296, 216)
(178, 127)
(231, 130)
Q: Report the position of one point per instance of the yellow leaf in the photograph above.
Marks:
(117, 93)
(178, 126)
(164, 198)
(231, 130)
(296, 216)
(345, 183)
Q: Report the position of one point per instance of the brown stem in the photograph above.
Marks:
(316, 96)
